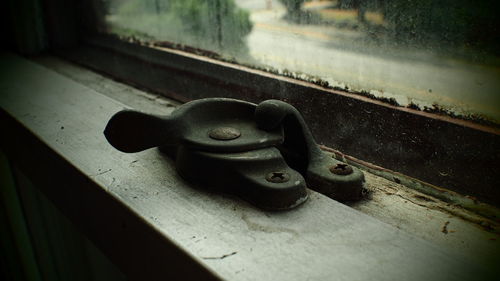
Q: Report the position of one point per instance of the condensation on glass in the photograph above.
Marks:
(440, 55)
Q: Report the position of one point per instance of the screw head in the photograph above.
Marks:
(224, 133)
(278, 177)
(341, 169)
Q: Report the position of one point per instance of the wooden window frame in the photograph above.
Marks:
(155, 226)
(436, 149)
(432, 148)
(145, 246)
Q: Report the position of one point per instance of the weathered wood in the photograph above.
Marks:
(447, 225)
(149, 221)
(434, 148)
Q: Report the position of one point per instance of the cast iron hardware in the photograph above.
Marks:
(263, 153)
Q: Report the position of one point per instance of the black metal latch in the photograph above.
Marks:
(263, 153)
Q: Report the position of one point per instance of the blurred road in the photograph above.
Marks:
(340, 57)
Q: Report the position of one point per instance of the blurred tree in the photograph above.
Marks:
(362, 6)
(217, 22)
(297, 15)
(292, 6)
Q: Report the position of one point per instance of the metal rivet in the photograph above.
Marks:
(341, 169)
(278, 177)
(224, 133)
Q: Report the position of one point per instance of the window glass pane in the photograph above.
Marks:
(435, 55)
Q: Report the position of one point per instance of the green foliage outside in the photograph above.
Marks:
(292, 6)
(210, 24)
(296, 14)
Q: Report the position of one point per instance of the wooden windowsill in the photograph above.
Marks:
(154, 225)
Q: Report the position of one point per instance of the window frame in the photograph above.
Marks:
(184, 76)
(432, 147)
(153, 225)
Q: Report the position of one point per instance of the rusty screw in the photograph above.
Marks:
(341, 169)
(224, 133)
(278, 177)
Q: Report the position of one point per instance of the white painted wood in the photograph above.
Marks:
(321, 240)
(446, 225)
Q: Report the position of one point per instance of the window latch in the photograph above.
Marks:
(262, 153)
